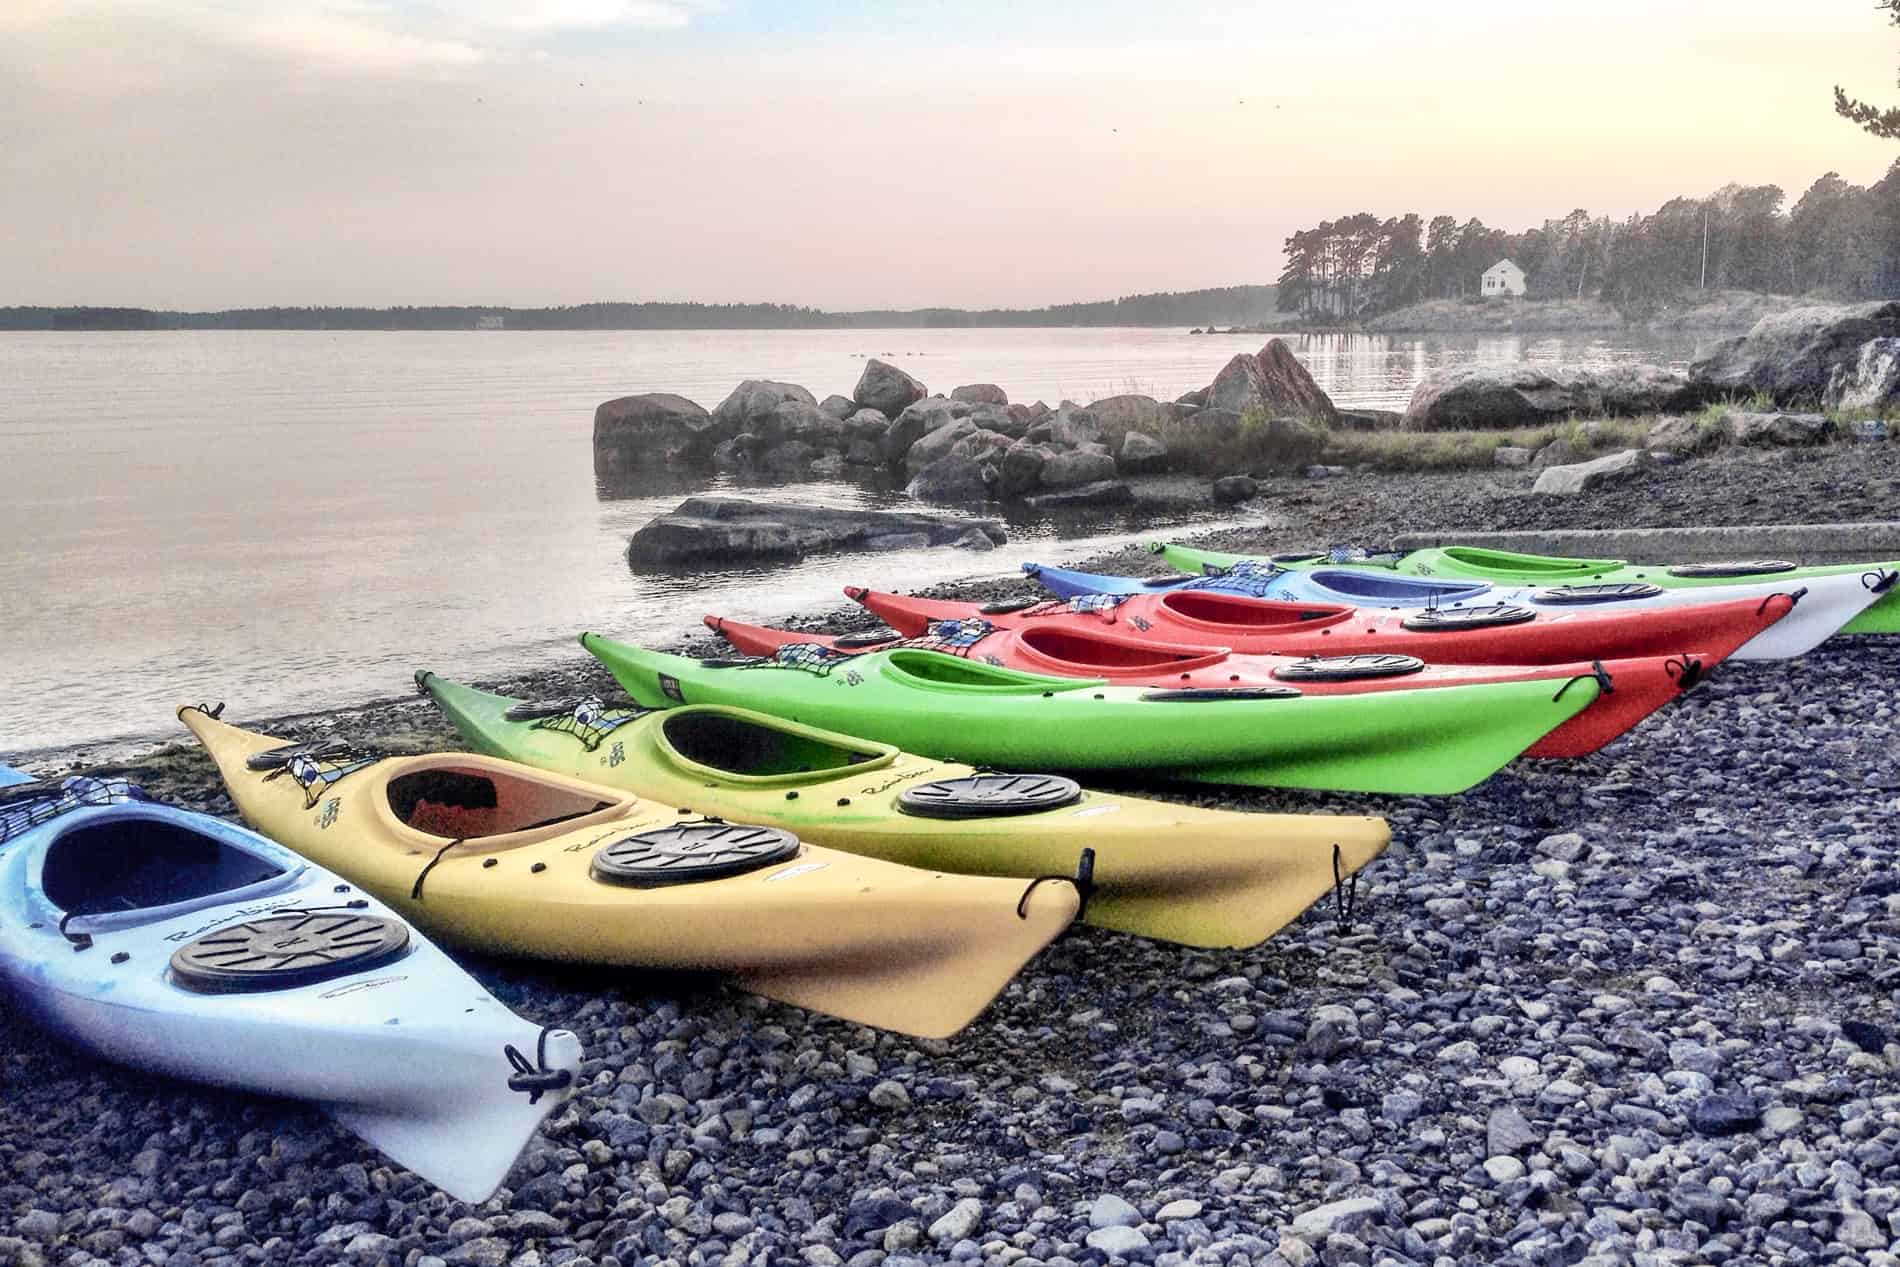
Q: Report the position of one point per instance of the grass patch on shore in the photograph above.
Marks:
(1476, 450)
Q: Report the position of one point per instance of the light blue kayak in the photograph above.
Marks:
(181, 944)
(1345, 586)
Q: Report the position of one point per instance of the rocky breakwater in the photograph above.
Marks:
(726, 530)
(1263, 413)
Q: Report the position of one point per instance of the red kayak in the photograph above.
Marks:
(1632, 689)
(1263, 626)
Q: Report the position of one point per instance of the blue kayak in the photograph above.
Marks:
(1346, 586)
(181, 944)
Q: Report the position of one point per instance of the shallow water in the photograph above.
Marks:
(294, 519)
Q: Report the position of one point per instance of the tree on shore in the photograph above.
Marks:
(1882, 121)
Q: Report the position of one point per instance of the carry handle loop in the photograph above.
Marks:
(535, 1079)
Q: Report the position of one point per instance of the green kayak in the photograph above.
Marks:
(1424, 742)
(1505, 567)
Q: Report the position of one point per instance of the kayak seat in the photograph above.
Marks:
(134, 864)
(1233, 609)
(738, 746)
(459, 804)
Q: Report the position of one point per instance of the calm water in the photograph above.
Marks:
(297, 519)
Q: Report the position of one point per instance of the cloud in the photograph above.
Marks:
(584, 15)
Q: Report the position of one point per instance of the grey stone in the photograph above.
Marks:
(960, 1221)
(1503, 1170)
(1142, 452)
(1271, 381)
(1724, 1113)
(1568, 481)
(953, 480)
(839, 407)
(1780, 429)
(889, 1094)
(1794, 356)
(714, 530)
(1116, 1241)
(1077, 466)
(1021, 468)
(1511, 456)
(1685, 434)
(634, 434)
(935, 445)
(1129, 412)
(1100, 493)
(1347, 1216)
(1516, 394)
(887, 389)
(752, 404)
(1174, 1211)
(1229, 489)
(980, 394)
(1508, 1133)
(1109, 1210)
(1331, 1029)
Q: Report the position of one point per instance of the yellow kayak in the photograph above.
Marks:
(498, 857)
(1196, 876)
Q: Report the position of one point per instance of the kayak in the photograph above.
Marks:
(1200, 877)
(180, 944)
(1639, 686)
(1508, 567)
(498, 857)
(1265, 626)
(939, 705)
(1827, 602)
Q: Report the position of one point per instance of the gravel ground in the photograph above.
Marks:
(1637, 1008)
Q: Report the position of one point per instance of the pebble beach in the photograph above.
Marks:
(1639, 1008)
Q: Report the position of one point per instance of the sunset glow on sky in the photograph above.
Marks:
(189, 153)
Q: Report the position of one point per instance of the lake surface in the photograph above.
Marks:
(291, 520)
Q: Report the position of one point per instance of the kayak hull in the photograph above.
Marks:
(1640, 686)
(351, 1043)
(895, 947)
(1173, 872)
(1878, 614)
(1827, 603)
(1431, 742)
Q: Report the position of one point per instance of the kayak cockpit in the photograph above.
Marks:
(742, 747)
(132, 863)
(1210, 607)
(1512, 565)
(1072, 650)
(471, 800)
(1373, 585)
(934, 670)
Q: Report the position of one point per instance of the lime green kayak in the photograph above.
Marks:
(1424, 742)
(1180, 873)
(1881, 615)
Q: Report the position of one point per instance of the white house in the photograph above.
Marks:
(1502, 278)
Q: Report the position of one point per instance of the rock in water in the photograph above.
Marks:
(887, 389)
(952, 479)
(1794, 356)
(1100, 493)
(752, 403)
(1125, 412)
(1564, 481)
(634, 433)
(711, 531)
(1272, 381)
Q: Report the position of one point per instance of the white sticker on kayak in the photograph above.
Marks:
(356, 987)
(1093, 810)
(800, 869)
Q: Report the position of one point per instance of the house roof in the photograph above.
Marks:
(1501, 263)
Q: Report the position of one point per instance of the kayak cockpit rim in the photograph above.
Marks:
(1214, 610)
(180, 867)
(485, 802)
(1385, 587)
(703, 740)
(939, 671)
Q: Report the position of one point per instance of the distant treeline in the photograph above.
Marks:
(1232, 305)
(1838, 240)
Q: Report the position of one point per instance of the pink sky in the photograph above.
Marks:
(199, 153)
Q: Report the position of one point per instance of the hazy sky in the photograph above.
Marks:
(853, 153)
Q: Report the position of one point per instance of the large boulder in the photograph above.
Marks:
(886, 388)
(1122, 413)
(1516, 395)
(1021, 468)
(936, 444)
(633, 433)
(1793, 356)
(719, 530)
(949, 479)
(838, 406)
(1002, 419)
(1270, 381)
(1072, 467)
(1066, 428)
(1229, 489)
(752, 403)
(796, 420)
(1871, 382)
(917, 420)
(1685, 434)
(1564, 481)
(1785, 430)
(1142, 452)
(1099, 493)
(980, 394)
(986, 448)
